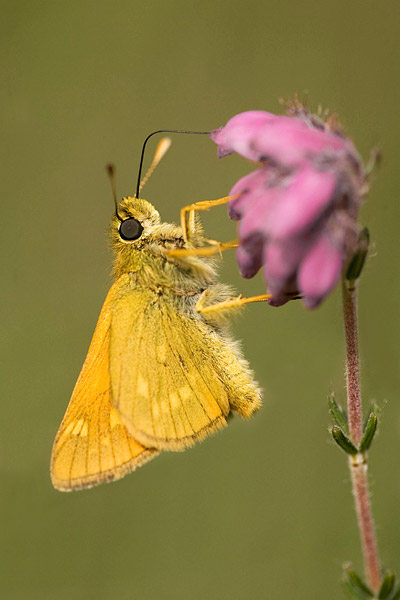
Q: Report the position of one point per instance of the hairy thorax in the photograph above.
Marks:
(146, 260)
(149, 266)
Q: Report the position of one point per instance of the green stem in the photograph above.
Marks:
(358, 462)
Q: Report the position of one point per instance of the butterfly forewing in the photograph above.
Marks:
(92, 444)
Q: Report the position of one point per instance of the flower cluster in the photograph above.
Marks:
(298, 211)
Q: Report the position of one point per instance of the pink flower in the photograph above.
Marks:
(298, 211)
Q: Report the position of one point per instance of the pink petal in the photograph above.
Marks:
(284, 210)
(309, 194)
(249, 259)
(256, 218)
(249, 187)
(319, 271)
(282, 259)
(281, 295)
(292, 142)
(239, 130)
(259, 135)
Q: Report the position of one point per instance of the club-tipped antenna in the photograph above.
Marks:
(162, 147)
(111, 175)
(139, 183)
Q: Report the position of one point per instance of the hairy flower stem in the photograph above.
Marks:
(358, 462)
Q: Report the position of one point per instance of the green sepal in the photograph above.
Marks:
(387, 585)
(369, 432)
(357, 262)
(343, 441)
(356, 584)
(338, 414)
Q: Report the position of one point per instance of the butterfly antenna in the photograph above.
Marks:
(111, 175)
(140, 183)
(162, 147)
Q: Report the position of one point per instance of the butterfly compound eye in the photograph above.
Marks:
(130, 229)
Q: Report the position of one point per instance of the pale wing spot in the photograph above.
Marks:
(70, 428)
(114, 418)
(142, 387)
(156, 411)
(161, 351)
(164, 405)
(174, 400)
(78, 427)
(84, 430)
(185, 392)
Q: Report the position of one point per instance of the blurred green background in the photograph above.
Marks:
(263, 509)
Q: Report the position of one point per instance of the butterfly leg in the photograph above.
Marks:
(188, 214)
(217, 248)
(202, 308)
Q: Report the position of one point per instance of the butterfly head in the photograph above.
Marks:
(136, 219)
(139, 237)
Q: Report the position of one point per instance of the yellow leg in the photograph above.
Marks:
(235, 302)
(217, 248)
(202, 205)
(214, 242)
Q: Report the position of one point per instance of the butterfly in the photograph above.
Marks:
(162, 370)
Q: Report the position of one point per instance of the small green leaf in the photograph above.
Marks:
(369, 432)
(356, 583)
(343, 441)
(387, 585)
(373, 408)
(353, 592)
(339, 415)
(357, 262)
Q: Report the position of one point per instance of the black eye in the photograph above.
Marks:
(130, 229)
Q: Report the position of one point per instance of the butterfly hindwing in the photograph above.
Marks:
(92, 444)
(171, 375)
